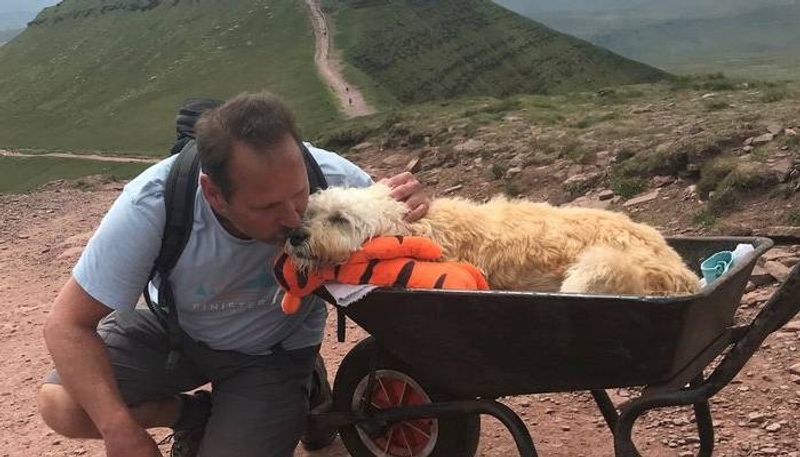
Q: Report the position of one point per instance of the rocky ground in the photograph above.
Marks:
(687, 162)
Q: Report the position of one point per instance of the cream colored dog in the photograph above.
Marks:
(519, 245)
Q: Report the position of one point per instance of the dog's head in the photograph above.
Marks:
(338, 221)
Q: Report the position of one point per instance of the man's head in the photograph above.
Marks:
(253, 175)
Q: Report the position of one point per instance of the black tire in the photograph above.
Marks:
(455, 436)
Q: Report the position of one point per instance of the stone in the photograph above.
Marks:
(787, 231)
(582, 181)
(661, 181)
(774, 129)
(765, 138)
(414, 166)
(469, 146)
(760, 276)
(690, 192)
(777, 270)
(749, 141)
(452, 189)
(605, 194)
(772, 428)
(789, 262)
(588, 202)
(776, 253)
(791, 327)
(790, 132)
(71, 252)
(756, 417)
(795, 369)
(650, 196)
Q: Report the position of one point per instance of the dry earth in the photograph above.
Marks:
(41, 236)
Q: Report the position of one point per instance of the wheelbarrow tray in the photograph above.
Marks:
(488, 344)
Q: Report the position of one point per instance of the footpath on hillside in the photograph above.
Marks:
(351, 100)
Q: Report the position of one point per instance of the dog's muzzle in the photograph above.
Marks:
(297, 237)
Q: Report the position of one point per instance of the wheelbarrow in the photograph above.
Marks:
(436, 360)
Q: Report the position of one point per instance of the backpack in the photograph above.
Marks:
(179, 196)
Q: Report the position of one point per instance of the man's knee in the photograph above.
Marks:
(62, 414)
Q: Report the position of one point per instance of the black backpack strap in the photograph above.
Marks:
(316, 179)
(179, 197)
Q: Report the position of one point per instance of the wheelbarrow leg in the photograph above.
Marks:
(607, 408)
(705, 428)
(623, 442)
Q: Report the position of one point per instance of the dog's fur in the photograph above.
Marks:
(518, 244)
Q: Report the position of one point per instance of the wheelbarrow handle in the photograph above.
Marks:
(781, 307)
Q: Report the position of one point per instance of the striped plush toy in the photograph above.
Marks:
(388, 261)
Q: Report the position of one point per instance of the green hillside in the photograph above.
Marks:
(98, 75)
(23, 174)
(419, 50)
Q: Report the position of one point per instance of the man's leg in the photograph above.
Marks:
(138, 347)
(260, 405)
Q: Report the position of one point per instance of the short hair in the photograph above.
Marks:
(260, 119)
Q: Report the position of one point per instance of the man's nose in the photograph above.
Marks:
(290, 217)
(297, 236)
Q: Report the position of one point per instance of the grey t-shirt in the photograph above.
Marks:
(224, 288)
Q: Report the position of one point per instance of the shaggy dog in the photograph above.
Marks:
(517, 244)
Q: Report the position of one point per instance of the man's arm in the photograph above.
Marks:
(85, 370)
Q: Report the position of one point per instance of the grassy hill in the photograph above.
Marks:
(23, 174)
(94, 75)
(412, 51)
(108, 76)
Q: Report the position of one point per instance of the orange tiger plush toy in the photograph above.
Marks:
(387, 261)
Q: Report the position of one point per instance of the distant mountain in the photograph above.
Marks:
(7, 35)
(740, 37)
(14, 14)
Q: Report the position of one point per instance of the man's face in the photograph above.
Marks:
(270, 191)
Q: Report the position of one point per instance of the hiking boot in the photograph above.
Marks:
(190, 427)
(320, 401)
(185, 443)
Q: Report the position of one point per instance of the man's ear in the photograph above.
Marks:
(213, 194)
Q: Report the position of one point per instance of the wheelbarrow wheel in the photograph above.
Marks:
(395, 386)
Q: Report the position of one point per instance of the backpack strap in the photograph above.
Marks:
(180, 191)
(179, 197)
(316, 179)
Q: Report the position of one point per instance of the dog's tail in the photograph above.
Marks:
(607, 270)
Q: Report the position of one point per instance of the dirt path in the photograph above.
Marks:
(350, 98)
(67, 155)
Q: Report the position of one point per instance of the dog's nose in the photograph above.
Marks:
(297, 237)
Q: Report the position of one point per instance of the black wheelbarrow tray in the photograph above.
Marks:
(436, 360)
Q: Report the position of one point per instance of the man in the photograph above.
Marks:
(110, 380)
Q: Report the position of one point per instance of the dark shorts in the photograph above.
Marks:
(259, 403)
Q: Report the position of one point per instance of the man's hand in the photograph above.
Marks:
(131, 441)
(407, 189)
